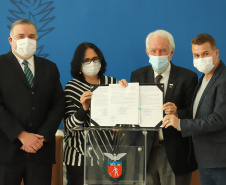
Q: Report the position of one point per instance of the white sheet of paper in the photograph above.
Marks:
(151, 101)
(124, 103)
(99, 106)
(133, 105)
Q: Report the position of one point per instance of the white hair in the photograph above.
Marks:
(164, 34)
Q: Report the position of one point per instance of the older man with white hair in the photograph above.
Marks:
(168, 152)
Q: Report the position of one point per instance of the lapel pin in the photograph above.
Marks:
(170, 85)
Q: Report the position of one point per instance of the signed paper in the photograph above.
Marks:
(134, 105)
(99, 106)
(151, 101)
(124, 103)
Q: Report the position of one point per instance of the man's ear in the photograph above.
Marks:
(147, 52)
(171, 53)
(10, 40)
(217, 53)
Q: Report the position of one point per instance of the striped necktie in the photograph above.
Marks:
(28, 73)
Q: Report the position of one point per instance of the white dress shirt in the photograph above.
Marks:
(164, 80)
(31, 64)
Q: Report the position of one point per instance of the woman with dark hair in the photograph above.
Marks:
(87, 68)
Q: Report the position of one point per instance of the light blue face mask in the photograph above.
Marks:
(159, 63)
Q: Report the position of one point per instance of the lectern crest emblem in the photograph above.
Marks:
(114, 170)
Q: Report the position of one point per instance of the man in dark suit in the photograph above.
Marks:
(208, 126)
(31, 108)
(168, 159)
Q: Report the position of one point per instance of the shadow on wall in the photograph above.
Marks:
(39, 13)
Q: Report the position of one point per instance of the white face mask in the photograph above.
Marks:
(204, 65)
(26, 47)
(91, 69)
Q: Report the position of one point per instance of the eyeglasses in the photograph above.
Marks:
(89, 60)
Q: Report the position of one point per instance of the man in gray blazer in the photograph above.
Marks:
(168, 160)
(208, 126)
(31, 109)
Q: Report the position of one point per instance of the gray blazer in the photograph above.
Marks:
(209, 126)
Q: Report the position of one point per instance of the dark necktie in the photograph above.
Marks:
(28, 73)
(158, 78)
(156, 133)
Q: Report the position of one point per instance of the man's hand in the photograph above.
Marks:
(170, 120)
(31, 142)
(170, 108)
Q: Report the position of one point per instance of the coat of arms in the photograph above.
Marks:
(116, 169)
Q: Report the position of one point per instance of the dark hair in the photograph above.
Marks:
(204, 37)
(77, 60)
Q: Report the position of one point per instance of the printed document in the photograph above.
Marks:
(134, 105)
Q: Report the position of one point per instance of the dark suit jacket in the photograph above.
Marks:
(209, 126)
(184, 82)
(22, 108)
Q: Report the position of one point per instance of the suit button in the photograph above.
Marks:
(32, 93)
(30, 124)
(33, 108)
